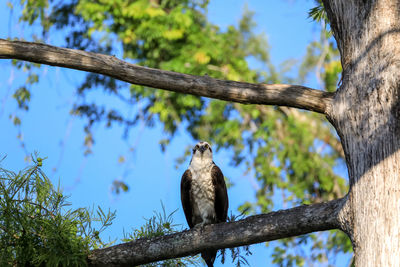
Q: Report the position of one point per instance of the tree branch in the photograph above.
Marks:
(254, 229)
(246, 93)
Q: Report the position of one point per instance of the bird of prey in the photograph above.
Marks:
(203, 193)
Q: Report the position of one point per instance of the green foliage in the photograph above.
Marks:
(36, 226)
(171, 35)
(290, 153)
(158, 225)
(323, 58)
(236, 253)
(318, 13)
(162, 224)
(23, 94)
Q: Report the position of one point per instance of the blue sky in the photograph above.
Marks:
(49, 129)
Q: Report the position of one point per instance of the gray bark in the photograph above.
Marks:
(254, 229)
(245, 93)
(366, 112)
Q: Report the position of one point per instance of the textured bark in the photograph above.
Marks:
(255, 229)
(246, 93)
(366, 113)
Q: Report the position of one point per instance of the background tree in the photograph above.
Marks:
(290, 152)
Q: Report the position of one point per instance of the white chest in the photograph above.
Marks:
(203, 195)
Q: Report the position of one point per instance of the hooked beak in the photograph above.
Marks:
(202, 149)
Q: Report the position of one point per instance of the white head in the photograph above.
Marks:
(202, 155)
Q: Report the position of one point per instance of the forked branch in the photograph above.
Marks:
(246, 93)
(254, 229)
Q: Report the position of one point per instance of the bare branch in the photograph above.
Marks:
(246, 93)
(254, 229)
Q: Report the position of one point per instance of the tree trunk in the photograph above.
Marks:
(365, 112)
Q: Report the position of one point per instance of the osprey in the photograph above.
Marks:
(203, 193)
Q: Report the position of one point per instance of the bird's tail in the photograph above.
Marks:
(209, 257)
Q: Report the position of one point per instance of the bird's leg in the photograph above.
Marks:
(203, 223)
(199, 225)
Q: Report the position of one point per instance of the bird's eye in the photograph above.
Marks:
(206, 145)
(196, 147)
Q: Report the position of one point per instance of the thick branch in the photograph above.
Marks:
(254, 229)
(246, 93)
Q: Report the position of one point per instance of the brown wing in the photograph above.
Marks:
(221, 195)
(186, 197)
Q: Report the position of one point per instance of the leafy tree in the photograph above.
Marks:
(291, 153)
(36, 226)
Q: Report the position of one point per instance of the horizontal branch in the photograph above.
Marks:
(246, 93)
(254, 229)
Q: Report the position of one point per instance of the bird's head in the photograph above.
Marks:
(202, 153)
